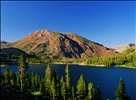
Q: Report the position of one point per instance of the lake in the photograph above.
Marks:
(106, 78)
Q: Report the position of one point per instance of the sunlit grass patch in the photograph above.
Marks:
(37, 93)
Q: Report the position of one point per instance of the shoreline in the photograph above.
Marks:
(104, 66)
(83, 64)
(4, 65)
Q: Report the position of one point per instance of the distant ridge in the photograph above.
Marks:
(121, 48)
(50, 44)
(3, 42)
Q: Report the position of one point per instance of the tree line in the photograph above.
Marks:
(51, 87)
(126, 58)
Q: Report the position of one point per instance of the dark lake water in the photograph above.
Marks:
(106, 78)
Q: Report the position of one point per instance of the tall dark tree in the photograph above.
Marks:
(81, 88)
(37, 82)
(42, 88)
(98, 94)
(12, 83)
(73, 93)
(67, 80)
(48, 79)
(1, 78)
(57, 83)
(53, 89)
(6, 77)
(32, 81)
(67, 76)
(18, 79)
(23, 66)
(63, 88)
(121, 91)
(91, 92)
(14, 79)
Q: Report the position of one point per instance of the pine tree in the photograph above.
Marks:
(36, 82)
(67, 79)
(11, 78)
(98, 94)
(6, 77)
(48, 79)
(91, 92)
(73, 93)
(23, 66)
(81, 88)
(18, 79)
(42, 88)
(121, 91)
(53, 89)
(63, 88)
(1, 78)
(32, 81)
(67, 76)
(14, 78)
(57, 82)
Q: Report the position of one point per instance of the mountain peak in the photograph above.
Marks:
(53, 45)
(40, 33)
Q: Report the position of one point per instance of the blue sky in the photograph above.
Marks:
(107, 22)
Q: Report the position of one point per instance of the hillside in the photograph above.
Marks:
(59, 45)
(3, 42)
(13, 51)
(122, 48)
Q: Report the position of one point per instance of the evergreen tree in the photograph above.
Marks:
(121, 92)
(14, 79)
(37, 82)
(57, 82)
(91, 92)
(11, 78)
(55, 77)
(18, 79)
(42, 88)
(81, 88)
(48, 79)
(73, 93)
(98, 94)
(67, 79)
(1, 78)
(6, 77)
(53, 89)
(23, 66)
(63, 88)
(67, 76)
(32, 81)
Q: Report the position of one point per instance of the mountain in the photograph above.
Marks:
(59, 45)
(13, 51)
(3, 42)
(121, 48)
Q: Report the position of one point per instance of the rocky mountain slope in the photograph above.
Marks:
(59, 45)
(121, 48)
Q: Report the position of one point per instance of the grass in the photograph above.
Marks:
(37, 93)
(4, 65)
